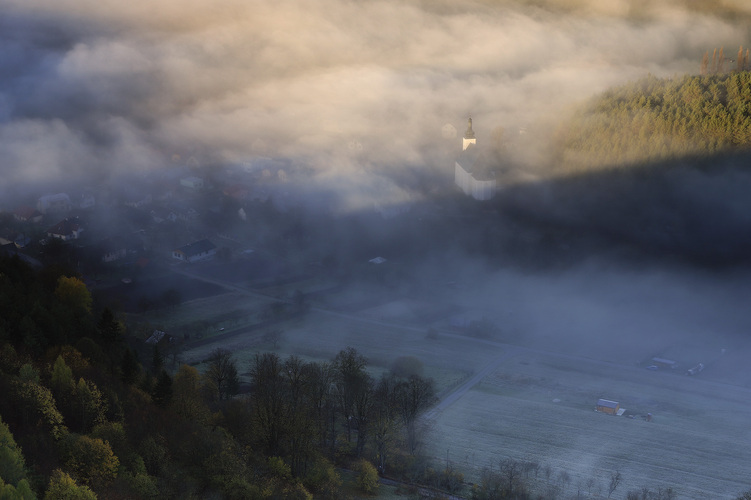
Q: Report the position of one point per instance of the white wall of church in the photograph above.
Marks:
(462, 178)
(483, 190)
(479, 190)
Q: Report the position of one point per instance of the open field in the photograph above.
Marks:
(540, 407)
(535, 401)
(209, 309)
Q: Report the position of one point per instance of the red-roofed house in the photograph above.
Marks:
(27, 214)
(237, 192)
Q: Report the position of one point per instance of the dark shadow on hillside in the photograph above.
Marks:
(692, 209)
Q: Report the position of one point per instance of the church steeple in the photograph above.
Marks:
(469, 135)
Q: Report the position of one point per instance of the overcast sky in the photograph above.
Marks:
(342, 84)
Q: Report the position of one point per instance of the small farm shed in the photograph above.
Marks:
(664, 363)
(607, 406)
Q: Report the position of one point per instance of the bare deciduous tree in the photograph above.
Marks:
(415, 395)
(267, 399)
(385, 418)
(615, 480)
(221, 376)
(350, 380)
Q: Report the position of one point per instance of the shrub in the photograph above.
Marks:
(279, 469)
(323, 479)
(367, 477)
(63, 486)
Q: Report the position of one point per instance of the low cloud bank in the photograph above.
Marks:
(108, 86)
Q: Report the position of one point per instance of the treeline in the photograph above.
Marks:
(718, 64)
(656, 119)
(81, 417)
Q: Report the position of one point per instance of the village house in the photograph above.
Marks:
(136, 200)
(199, 250)
(237, 192)
(10, 249)
(112, 249)
(182, 211)
(54, 203)
(27, 214)
(162, 214)
(85, 200)
(66, 229)
(18, 239)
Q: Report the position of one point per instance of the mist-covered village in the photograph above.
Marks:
(487, 250)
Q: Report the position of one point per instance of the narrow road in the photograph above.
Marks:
(454, 396)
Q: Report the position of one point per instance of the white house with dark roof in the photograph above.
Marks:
(59, 202)
(199, 250)
(473, 172)
(66, 229)
(111, 249)
(162, 214)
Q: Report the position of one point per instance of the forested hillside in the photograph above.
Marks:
(82, 418)
(657, 119)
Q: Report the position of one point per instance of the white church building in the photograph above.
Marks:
(474, 175)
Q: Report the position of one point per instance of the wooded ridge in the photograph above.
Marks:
(656, 119)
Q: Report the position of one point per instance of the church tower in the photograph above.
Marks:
(469, 136)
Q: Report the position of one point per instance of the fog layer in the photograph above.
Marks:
(347, 87)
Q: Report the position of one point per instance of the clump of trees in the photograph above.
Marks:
(299, 409)
(657, 119)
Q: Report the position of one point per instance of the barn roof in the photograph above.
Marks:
(607, 403)
(664, 361)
